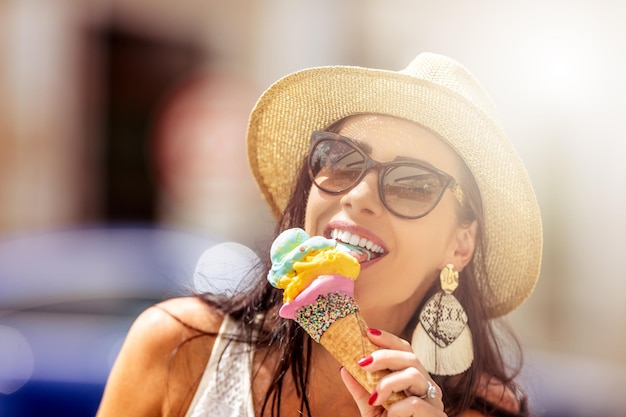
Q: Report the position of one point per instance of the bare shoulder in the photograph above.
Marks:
(472, 413)
(192, 313)
(162, 359)
(166, 326)
(497, 393)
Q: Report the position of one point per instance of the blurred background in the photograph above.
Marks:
(122, 159)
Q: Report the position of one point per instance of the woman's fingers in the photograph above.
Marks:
(387, 340)
(413, 383)
(360, 395)
(410, 406)
(407, 373)
(414, 407)
(394, 354)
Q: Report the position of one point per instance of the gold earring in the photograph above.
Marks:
(442, 339)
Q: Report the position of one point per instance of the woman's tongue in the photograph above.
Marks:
(360, 253)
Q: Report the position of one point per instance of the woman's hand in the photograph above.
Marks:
(407, 375)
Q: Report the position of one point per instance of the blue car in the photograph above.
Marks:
(67, 299)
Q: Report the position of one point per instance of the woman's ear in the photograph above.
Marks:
(465, 244)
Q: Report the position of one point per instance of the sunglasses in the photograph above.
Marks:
(407, 189)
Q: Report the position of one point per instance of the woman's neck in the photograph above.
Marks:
(327, 393)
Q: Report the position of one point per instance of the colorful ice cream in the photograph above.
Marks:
(313, 271)
(298, 259)
(317, 276)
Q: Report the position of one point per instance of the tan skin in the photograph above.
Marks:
(149, 380)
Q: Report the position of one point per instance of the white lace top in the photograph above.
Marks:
(225, 389)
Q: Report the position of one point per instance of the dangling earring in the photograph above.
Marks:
(442, 339)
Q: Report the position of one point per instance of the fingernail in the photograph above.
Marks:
(340, 368)
(366, 361)
(373, 398)
(375, 332)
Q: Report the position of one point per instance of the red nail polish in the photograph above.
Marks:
(373, 398)
(375, 332)
(366, 361)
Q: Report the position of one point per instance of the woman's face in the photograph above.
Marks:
(390, 287)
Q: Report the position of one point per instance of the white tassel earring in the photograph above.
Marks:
(442, 339)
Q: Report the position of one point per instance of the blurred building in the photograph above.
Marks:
(83, 89)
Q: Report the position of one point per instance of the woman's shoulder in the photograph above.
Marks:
(192, 313)
(167, 324)
(498, 394)
(165, 352)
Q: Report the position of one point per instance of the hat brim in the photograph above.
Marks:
(282, 121)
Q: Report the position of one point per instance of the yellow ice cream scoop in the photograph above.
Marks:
(325, 262)
(297, 259)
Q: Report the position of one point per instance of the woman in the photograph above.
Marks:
(410, 165)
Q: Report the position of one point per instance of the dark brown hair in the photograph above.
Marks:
(294, 346)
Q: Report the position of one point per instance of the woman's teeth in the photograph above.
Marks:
(356, 240)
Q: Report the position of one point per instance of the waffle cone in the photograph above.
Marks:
(347, 342)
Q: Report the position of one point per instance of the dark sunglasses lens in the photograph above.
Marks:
(335, 166)
(411, 191)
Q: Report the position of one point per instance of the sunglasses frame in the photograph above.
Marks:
(381, 168)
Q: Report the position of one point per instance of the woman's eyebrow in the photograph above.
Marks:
(361, 145)
(415, 160)
(367, 148)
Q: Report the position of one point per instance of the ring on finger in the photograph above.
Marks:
(431, 392)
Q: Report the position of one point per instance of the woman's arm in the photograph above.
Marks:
(161, 361)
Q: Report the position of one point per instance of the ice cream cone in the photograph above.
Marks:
(346, 340)
(317, 276)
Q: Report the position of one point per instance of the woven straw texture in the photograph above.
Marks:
(440, 94)
(346, 340)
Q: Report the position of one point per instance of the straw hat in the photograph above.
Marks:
(440, 94)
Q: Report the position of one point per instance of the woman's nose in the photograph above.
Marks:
(364, 197)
